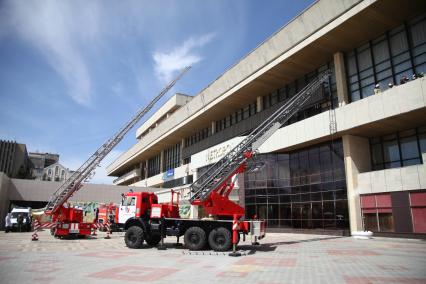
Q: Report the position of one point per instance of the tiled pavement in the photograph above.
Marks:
(281, 258)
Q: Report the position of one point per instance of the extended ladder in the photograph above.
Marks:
(86, 171)
(225, 168)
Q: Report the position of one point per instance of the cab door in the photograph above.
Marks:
(127, 209)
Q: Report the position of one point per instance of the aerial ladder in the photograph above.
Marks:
(212, 188)
(145, 220)
(67, 219)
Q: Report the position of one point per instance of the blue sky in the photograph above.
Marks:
(73, 72)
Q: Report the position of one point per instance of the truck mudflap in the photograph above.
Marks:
(256, 228)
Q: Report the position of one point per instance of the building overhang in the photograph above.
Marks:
(347, 28)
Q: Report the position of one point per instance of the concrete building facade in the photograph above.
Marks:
(14, 159)
(352, 159)
(56, 172)
(40, 161)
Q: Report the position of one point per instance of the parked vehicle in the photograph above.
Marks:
(25, 215)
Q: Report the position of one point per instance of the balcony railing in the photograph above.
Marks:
(132, 174)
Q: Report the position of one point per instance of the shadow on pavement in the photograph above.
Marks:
(267, 247)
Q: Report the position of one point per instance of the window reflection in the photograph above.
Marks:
(302, 189)
(398, 150)
(387, 59)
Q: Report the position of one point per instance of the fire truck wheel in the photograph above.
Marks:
(195, 238)
(220, 239)
(134, 237)
(153, 240)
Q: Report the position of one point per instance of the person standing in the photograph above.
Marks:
(20, 221)
(8, 223)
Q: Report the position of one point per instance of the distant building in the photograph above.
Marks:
(56, 172)
(40, 161)
(14, 160)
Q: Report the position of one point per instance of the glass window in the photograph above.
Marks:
(391, 154)
(266, 101)
(290, 184)
(409, 151)
(385, 50)
(253, 109)
(246, 112)
(129, 201)
(422, 141)
(370, 222)
(396, 150)
(386, 222)
(274, 98)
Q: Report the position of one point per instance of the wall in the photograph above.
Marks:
(389, 180)
(37, 190)
(4, 200)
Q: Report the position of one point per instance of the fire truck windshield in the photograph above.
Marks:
(129, 201)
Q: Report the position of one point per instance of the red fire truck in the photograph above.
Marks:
(146, 220)
(68, 221)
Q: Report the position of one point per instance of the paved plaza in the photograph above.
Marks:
(281, 258)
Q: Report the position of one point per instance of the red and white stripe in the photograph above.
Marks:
(102, 226)
(235, 226)
(36, 225)
(48, 225)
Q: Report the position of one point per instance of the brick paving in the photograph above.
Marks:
(281, 258)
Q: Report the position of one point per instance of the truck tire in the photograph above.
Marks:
(153, 240)
(220, 239)
(134, 237)
(195, 238)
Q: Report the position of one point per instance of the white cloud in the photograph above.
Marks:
(166, 63)
(61, 31)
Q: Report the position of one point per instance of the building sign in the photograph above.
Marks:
(168, 174)
(213, 154)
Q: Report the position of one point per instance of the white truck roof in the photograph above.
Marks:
(21, 210)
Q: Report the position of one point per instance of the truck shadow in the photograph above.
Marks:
(267, 247)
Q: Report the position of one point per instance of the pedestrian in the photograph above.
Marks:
(377, 89)
(96, 214)
(390, 85)
(8, 223)
(404, 80)
(20, 221)
(27, 223)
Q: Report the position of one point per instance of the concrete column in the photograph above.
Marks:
(259, 104)
(146, 170)
(213, 127)
(341, 83)
(357, 160)
(161, 161)
(194, 208)
(182, 145)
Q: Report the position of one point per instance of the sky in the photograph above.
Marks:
(72, 73)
